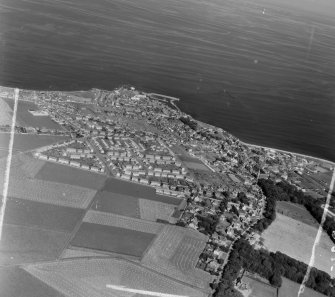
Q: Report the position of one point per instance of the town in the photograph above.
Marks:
(144, 138)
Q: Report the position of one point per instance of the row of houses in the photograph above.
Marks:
(73, 163)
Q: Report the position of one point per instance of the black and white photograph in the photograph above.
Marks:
(167, 148)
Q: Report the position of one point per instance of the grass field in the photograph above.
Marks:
(5, 113)
(256, 288)
(113, 220)
(296, 212)
(175, 252)
(89, 277)
(117, 203)
(68, 175)
(291, 289)
(20, 244)
(27, 142)
(296, 240)
(112, 239)
(25, 118)
(16, 282)
(191, 162)
(41, 215)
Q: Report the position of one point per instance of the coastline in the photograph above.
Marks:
(288, 152)
(318, 159)
(173, 101)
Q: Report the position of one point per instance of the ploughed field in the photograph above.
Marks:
(294, 235)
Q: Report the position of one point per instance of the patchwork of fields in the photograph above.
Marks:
(65, 216)
(90, 277)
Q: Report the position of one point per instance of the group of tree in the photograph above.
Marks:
(271, 266)
(284, 191)
(187, 121)
(242, 198)
(208, 223)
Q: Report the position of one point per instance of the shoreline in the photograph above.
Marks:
(288, 152)
(172, 101)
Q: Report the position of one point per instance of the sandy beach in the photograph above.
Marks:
(288, 152)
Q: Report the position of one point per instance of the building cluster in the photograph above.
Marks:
(76, 153)
(145, 139)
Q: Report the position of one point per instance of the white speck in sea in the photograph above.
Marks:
(255, 61)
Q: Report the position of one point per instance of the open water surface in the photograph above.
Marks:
(263, 71)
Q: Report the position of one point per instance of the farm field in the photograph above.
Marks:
(54, 172)
(47, 192)
(256, 288)
(16, 282)
(44, 216)
(21, 244)
(175, 252)
(116, 203)
(291, 289)
(296, 212)
(112, 239)
(25, 118)
(23, 169)
(27, 142)
(113, 220)
(136, 190)
(153, 210)
(89, 277)
(296, 240)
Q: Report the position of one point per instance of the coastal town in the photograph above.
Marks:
(145, 139)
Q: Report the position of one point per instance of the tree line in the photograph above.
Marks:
(283, 191)
(273, 266)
